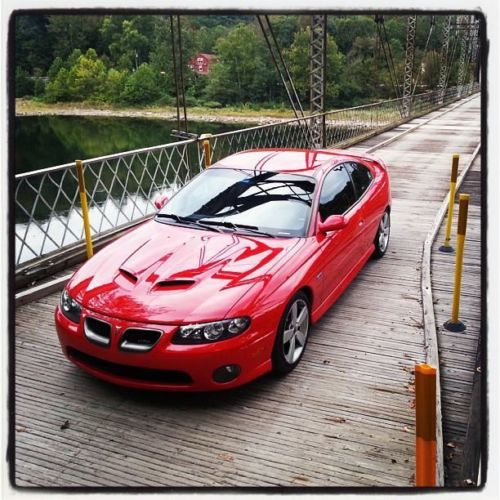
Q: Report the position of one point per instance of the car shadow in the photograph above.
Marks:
(192, 400)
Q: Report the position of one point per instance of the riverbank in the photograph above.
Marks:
(28, 107)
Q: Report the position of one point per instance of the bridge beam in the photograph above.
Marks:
(318, 78)
(409, 63)
(443, 70)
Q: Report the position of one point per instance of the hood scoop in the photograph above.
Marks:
(174, 284)
(131, 277)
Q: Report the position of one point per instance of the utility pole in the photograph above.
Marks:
(318, 79)
(443, 71)
(409, 61)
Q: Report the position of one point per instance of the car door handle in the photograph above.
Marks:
(361, 222)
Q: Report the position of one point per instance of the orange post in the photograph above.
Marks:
(425, 394)
(207, 148)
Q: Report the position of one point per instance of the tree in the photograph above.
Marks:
(239, 75)
(24, 84)
(115, 85)
(141, 86)
(345, 29)
(58, 88)
(127, 39)
(33, 44)
(299, 62)
(73, 32)
(87, 77)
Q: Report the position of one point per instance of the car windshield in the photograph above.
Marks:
(244, 200)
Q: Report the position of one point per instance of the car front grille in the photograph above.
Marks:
(139, 339)
(139, 374)
(97, 331)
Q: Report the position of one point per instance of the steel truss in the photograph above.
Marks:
(318, 78)
(409, 63)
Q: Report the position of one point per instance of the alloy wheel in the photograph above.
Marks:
(296, 330)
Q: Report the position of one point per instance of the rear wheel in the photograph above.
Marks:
(382, 236)
(292, 334)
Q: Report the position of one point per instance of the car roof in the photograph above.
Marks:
(303, 161)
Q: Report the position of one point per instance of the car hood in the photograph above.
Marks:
(162, 273)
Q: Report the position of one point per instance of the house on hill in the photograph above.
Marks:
(201, 63)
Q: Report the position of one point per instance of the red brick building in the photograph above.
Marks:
(201, 63)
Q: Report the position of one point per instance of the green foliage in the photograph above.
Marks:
(56, 65)
(141, 86)
(87, 77)
(39, 87)
(298, 56)
(70, 32)
(211, 104)
(33, 45)
(431, 69)
(58, 88)
(239, 73)
(127, 59)
(115, 85)
(24, 84)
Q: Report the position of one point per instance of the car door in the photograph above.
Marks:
(341, 250)
(362, 179)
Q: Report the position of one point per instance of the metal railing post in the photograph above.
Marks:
(425, 445)
(207, 149)
(446, 247)
(454, 324)
(85, 208)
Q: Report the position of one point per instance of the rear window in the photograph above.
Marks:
(361, 177)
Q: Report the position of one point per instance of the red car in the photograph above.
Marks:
(223, 284)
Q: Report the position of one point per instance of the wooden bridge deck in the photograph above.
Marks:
(344, 417)
(458, 350)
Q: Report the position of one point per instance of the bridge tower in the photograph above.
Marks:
(409, 62)
(318, 78)
(443, 71)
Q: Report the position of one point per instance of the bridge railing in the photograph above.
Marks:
(121, 187)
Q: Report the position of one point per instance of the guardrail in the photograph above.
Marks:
(120, 187)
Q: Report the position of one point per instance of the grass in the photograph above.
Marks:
(33, 106)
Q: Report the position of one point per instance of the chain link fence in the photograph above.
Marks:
(121, 187)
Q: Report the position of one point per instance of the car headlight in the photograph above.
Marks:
(70, 308)
(204, 333)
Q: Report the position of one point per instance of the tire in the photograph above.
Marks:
(291, 340)
(382, 237)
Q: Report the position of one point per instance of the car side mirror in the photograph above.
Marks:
(160, 201)
(332, 223)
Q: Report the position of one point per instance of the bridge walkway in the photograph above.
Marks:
(344, 417)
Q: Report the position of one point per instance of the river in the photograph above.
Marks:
(47, 218)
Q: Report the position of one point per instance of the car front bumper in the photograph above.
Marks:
(167, 366)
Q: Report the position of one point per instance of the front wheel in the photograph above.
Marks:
(382, 236)
(291, 338)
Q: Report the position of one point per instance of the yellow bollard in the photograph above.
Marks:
(85, 208)
(207, 149)
(446, 247)
(425, 406)
(454, 324)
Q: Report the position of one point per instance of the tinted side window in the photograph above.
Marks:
(361, 177)
(337, 193)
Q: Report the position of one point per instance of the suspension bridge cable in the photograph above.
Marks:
(278, 69)
(431, 29)
(289, 76)
(392, 74)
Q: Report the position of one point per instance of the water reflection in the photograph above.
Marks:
(48, 206)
